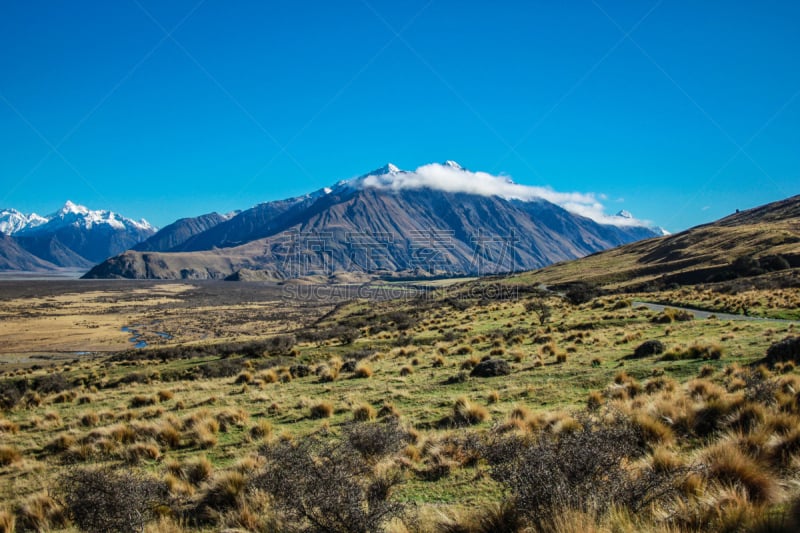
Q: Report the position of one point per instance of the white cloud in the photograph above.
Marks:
(451, 178)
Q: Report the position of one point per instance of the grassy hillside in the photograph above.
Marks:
(702, 254)
(370, 419)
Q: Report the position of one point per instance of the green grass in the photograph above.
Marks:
(600, 330)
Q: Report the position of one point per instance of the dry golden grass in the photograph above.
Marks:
(364, 412)
(323, 409)
(191, 430)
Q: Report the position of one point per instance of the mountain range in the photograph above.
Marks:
(72, 237)
(439, 220)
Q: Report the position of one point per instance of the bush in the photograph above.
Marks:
(490, 368)
(494, 518)
(198, 470)
(364, 413)
(465, 413)
(581, 292)
(729, 466)
(647, 348)
(324, 486)
(9, 455)
(376, 440)
(41, 512)
(322, 409)
(225, 493)
(141, 400)
(262, 429)
(585, 469)
(106, 500)
(7, 521)
(280, 344)
(787, 349)
(539, 308)
(363, 370)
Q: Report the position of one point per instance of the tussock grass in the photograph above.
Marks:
(323, 409)
(8, 521)
(363, 370)
(364, 412)
(728, 466)
(9, 455)
(682, 409)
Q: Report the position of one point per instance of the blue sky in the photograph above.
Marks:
(678, 111)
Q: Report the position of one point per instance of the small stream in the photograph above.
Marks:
(137, 338)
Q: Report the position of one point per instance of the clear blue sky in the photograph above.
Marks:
(679, 111)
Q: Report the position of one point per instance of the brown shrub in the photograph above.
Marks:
(787, 448)
(61, 442)
(323, 409)
(231, 417)
(261, 430)
(595, 400)
(7, 426)
(102, 500)
(267, 376)
(139, 451)
(226, 492)
(362, 370)
(9, 455)
(90, 419)
(41, 512)
(8, 522)
(198, 470)
(165, 395)
(653, 430)
(244, 377)
(141, 400)
(465, 413)
(364, 413)
(730, 467)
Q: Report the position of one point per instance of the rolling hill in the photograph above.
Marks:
(746, 243)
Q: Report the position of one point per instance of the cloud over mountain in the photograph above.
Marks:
(451, 177)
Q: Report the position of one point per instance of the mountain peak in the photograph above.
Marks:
(13, 221)
(388, 168)
(452, 164)
(624, 214)
(71, 207)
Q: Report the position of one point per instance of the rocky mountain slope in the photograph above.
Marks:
(387, 223)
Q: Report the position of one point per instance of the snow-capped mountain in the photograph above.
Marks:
(74, 236)
(13, 221)
(439, 219)
(82, 217)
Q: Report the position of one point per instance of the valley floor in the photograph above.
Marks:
(270, 409)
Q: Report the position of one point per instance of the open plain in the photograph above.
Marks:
(426, 392)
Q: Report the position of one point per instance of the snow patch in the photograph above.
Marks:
(451, 177)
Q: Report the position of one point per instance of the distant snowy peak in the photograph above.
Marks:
(72, 209)
(451, 177)
(13, 221)
(386, 170)
(80, 216)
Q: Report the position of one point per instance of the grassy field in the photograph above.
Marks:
(264, 412)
